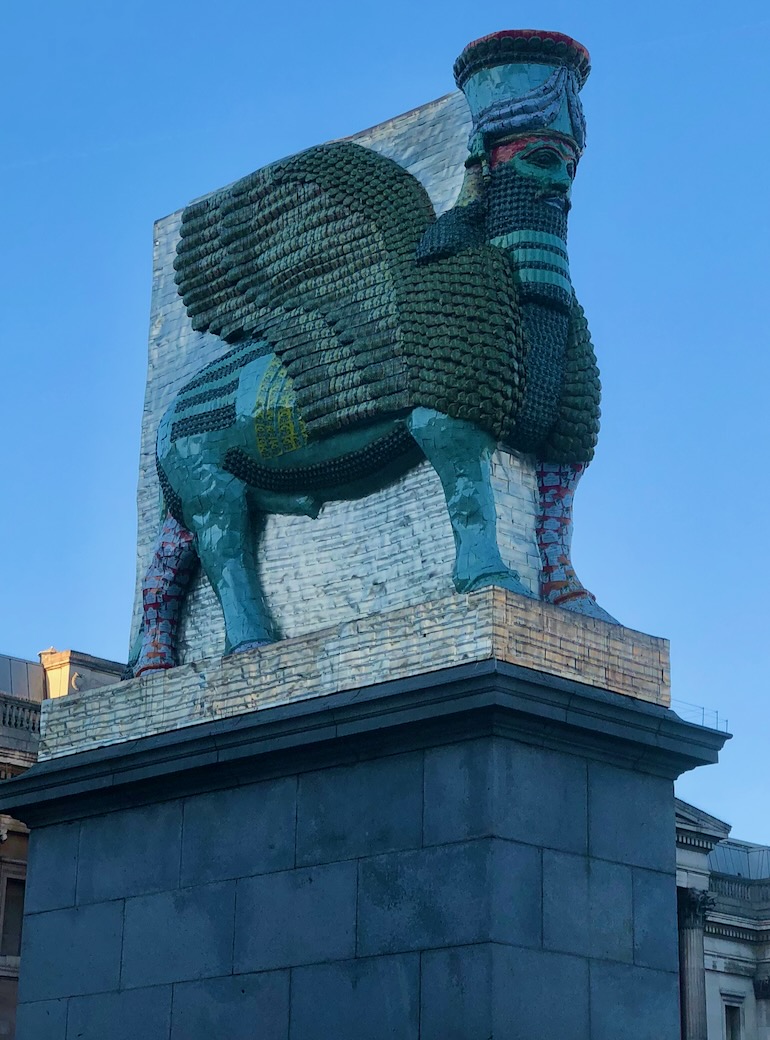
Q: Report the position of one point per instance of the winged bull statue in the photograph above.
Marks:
(365, 334)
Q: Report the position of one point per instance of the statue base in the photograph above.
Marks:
(447, 630)
(474, 848)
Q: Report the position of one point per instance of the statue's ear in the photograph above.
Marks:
(462, 227)
(474, 181)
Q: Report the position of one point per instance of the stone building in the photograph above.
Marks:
(24, 685)
(723, 888)
(22, 688)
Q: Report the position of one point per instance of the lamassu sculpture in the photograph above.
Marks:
(368, 334)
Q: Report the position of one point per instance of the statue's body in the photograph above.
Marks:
(368, 334)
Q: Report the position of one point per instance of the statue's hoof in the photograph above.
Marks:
(584, 603)
(250, 644)
(155, 656)
(143, 667)
(509, 580)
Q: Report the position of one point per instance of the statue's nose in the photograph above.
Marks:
(560, 182)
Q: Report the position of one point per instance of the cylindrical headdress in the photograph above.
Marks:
(523, 81)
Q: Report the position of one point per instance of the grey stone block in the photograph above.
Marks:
(565, 903)
(456, 993)
(238, 1007)
(460, 792)
(541, 995)
(360, 810)
(494, 786)
(449, 895)
(130, 853)
(72, 951)
(376, 998)
(495, 992)
(43, 1020)
(296, 917)
(52, 867)
(656, 943)
(587, 907)
(631, 818)
(610, 911)
(179, 936)
(132, 1013)
(632, 1003)
(239, 832)
(417, 900)
(515, 894)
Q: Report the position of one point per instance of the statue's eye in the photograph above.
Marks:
(544, 157)
(571, 170)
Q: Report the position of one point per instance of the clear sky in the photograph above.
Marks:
(113, 114)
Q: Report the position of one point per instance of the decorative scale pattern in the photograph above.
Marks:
(315, 258)
(576, 430)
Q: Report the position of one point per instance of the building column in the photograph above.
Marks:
(693, 904)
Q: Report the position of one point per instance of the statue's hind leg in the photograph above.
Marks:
(163, 592)
(225, 530)
(461, 454)
(559, 584)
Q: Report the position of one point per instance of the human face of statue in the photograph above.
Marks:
(547, 162)
(528, 199)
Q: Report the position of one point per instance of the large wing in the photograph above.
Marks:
(310, 255)
(576, 432)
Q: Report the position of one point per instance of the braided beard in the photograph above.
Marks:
(534, 235)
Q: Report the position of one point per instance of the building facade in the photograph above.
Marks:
(723, 888)
(24, 685)
(22, 689)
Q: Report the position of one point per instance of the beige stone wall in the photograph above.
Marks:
(69, 671)
(446, 630)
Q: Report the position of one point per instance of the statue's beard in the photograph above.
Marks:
(533, 230)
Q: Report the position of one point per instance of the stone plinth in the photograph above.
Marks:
(477, 851)
(449, 630)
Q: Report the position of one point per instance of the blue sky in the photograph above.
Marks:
(115, 114)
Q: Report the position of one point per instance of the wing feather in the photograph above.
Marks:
(315, 257)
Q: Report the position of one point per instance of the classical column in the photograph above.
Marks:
(693, 904)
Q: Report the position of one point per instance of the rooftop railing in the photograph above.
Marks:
(19, 714)
(709, 717)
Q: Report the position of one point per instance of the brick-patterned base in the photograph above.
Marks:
(446, 631)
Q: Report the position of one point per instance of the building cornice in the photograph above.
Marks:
(728, 926)
(695, 840)
(696, 829)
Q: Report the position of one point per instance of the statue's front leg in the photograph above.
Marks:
(461, 454)
(559, 584)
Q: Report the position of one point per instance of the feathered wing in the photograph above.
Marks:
(304, 255)
(574, 436)
(316, 257)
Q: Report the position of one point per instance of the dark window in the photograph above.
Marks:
(732, 1022)
(10, 942)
